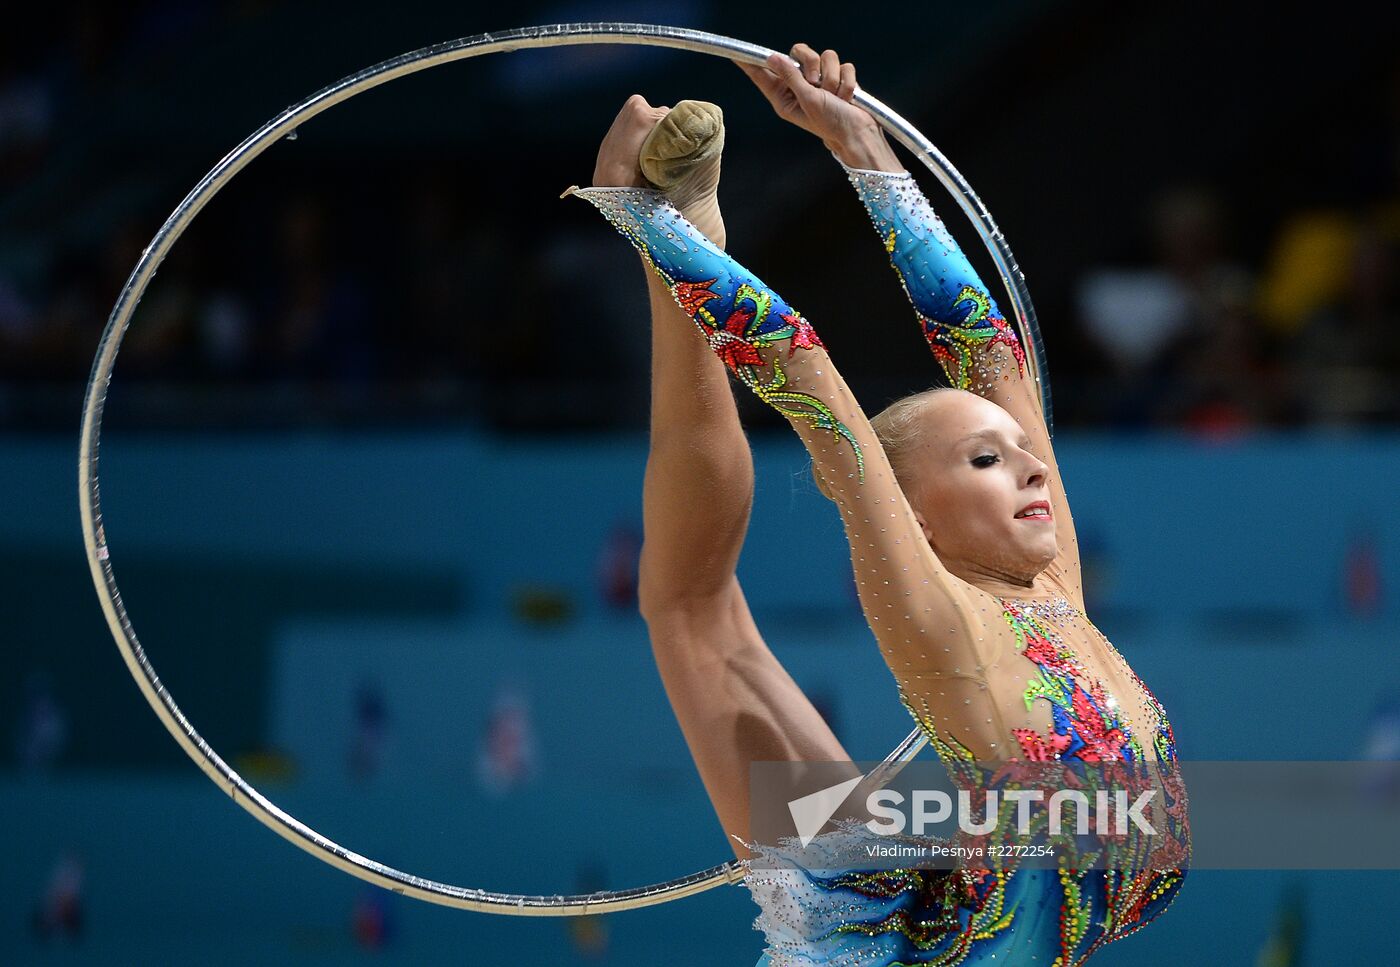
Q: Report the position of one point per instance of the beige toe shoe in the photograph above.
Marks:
(681, 156)
(690, 136)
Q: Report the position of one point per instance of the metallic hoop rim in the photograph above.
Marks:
(94, 538)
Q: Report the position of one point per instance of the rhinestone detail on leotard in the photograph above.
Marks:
(1088, 721)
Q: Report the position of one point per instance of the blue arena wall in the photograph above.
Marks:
(1222, 571)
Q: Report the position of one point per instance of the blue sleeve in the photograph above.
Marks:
(960, 319)
(977, 349)
(747, 325)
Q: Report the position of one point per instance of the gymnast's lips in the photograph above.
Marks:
(1032, 506)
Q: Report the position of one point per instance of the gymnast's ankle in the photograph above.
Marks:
(681, 156)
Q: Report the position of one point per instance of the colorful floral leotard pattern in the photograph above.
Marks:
(1088, 724)
(961, 321)
(736, 313)
(986, 678)
(819, 907)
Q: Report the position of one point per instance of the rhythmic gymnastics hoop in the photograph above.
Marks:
(98, 550)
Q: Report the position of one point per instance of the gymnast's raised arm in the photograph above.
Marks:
(921, 614)
(978, 350)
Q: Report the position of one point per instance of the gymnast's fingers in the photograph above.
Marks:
(810, 61)
(830, 78)
(847, 88)
(765, 80)
(792, 79)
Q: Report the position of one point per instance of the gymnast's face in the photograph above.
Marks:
(975, 473)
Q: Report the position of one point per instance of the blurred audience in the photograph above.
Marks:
(1167, 328)
(423, 291)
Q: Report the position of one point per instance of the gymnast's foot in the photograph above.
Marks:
(681, 156)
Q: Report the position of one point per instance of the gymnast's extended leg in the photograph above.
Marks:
(735, 702)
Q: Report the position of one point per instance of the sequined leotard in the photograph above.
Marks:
(987, 678)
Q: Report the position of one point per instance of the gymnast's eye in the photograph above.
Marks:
(989, 458)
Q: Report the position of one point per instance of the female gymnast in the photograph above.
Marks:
(960, 534)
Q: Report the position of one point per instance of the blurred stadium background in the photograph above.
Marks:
(376, 508)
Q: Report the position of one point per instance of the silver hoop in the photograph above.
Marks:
(94, 537)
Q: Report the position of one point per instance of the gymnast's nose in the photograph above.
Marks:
(1038, 474)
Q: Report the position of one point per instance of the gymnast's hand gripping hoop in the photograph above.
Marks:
(285, 123)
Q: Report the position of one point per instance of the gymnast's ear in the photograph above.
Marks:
(923, 525)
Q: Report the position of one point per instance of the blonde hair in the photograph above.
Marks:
(898, 429)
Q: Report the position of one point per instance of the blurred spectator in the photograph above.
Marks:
(1347, 347)
(1382, 748)
(1284, 948)
(18, 320)
(370, 922)
(1166, 327)
(318, 311)
(1329, 285)
(1306, 268)
(371, 731)
(1361, 577)
(59, 912)
(589, 934)
(226, 334)
(443, 263)
(43, 732)
(618, 566)
(26, 117)
(542, 604)
(506, 759)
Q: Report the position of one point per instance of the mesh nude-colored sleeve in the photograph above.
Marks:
(973, 343)
(934, 630)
